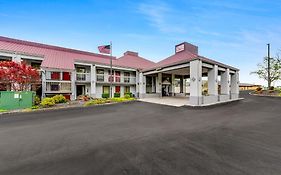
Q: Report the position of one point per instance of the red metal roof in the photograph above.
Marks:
(188, 54)
(54, 56)
(132, 59)
(183, 56)
(64, 58)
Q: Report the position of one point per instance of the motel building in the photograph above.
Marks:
(185, 76)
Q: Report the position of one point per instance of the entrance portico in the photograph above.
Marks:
(201, 81)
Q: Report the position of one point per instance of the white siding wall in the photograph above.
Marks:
(133, 89)
(98, 91)
(122, 89)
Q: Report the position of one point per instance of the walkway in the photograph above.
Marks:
(170, 101)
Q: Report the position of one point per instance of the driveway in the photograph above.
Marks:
(142, 138)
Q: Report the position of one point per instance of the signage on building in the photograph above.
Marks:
(180, 48)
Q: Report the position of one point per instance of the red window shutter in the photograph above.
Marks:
(66, 76)
(55, 75)
(117, 89)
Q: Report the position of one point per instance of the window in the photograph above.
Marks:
(105, 89)
(126, 77)
(127, 89)
(100, 75)
(80, 70)
(126, 74)
(117, 76)
(55, 87)
(66, 76)
(117, 89)
(65, 87)
(110, 78)
(55, 75)
(35, 65)
(100, 71)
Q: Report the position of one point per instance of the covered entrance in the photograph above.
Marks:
(189, 79)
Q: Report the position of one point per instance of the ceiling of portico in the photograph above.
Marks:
(184, 71)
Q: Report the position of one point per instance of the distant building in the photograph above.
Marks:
(247, 86)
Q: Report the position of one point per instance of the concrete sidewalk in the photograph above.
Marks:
(170, 101)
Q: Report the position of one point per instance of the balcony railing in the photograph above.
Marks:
(116, 79)
(83, 77)
(58, 87)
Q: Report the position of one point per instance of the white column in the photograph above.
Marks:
(122, 91)
(141, 85)
(173, 84)
(184, 85)
(225, 82)
(73, 86)
(43, 83)
(93, 81)
(137, 84)
(159, 84)
(195, 83)
(234, 85)
(213, 81)
(152, 84)
(144, 84)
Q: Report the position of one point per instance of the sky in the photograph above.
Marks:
(234, 32)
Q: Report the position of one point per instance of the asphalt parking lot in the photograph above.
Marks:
(141, 138)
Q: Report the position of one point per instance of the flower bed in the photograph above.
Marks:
(99, 101)
(271, 92)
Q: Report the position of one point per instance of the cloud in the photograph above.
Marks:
(161, 16)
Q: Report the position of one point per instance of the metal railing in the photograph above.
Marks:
(58, 87)
(83, 77)
(116, 79)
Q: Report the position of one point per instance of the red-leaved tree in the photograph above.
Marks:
(17, 76)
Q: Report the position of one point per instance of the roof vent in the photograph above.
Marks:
(185, 46)
(131, 53)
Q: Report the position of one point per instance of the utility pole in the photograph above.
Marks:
(268, 66)
(111, 76)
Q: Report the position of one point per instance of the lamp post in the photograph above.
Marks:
(268, 66)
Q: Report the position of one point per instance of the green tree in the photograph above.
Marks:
(275, 69)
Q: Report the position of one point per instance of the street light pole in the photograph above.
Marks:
(268, 66)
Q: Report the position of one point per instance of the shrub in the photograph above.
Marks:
(47, 102)
(271, 88)
(122, 99)
(97, 101)
(35, 107)
(3, 110)
(127, 96)
(37, 100)
(129, 93)
(59, 99)
(258, 89)
(116, 94)
(271, 91)
(105, 95)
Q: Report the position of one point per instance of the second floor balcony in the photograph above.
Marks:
(55, 87)
(116, 79)
(85, 77)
